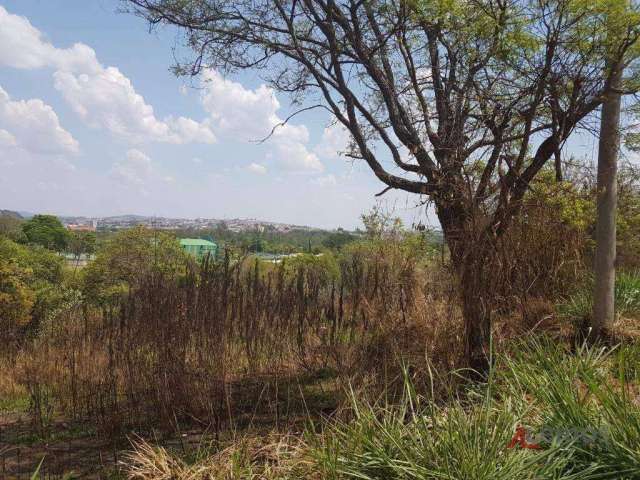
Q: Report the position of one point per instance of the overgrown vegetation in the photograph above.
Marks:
(204, 342)
(580, 425)
(216, 368)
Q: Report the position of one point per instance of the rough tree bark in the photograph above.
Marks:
(607, 195)
(472, 259)
(477, 309)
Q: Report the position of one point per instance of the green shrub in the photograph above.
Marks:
(127, 259)
(577, 307)
(591, 430)
(628, 293)
(31, 285)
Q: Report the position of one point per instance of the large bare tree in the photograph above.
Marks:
(462, 102)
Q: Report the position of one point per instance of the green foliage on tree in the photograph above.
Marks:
(337, 240)
(560, 216)
(130, 257)
(323, 266)
(45, 266)
(570, 202)
(571, 205)
(11, 227)
(271, 240)
(628, 219)
(81, 243)
(47, 231)
(16, 298)
(32, 284)
(257, 245)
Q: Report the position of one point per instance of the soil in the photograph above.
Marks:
(66, 451)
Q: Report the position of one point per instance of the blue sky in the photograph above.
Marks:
(92, 122)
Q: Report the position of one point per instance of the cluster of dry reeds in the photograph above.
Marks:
(239, 340)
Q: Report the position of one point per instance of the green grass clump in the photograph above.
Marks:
(586, 428)
(577, 405)
(625, 362)
(574, 395)
(451, 443)
(578, 306)
(17, 402)
(628, 293)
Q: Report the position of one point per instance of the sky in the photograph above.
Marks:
(93, 122)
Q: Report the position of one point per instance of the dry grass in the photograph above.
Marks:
(239, 343)
(272, 457)
(13, 394)
(239, 346)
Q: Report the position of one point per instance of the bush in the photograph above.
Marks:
(16, 298)
(545, 253)
(585, 427)
(579, 305)
(127, 259)
(31, 286)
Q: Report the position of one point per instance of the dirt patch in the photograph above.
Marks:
(69, 450)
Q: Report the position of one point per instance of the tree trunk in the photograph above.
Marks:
(476, 310)
(471, 255)
(607, 193)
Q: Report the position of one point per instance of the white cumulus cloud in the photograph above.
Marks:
(326, 181)
(33, 126)
(23, 46)
(294, 157)
(335, 141)
(238, 111)
(246, 114)
(135, 169)
(102, 96)
(7, 139)
(107, 99)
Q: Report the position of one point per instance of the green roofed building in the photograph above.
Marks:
(198, 247)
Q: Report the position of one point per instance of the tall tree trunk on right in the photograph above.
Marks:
(607, 195)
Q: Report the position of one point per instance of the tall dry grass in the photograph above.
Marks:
(577, 405)
(270, 457)
(239, 342)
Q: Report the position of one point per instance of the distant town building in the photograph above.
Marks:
(91, 227)
(198, 247)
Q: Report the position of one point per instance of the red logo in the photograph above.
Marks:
(520, 438)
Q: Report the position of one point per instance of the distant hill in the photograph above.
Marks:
(11, 214)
